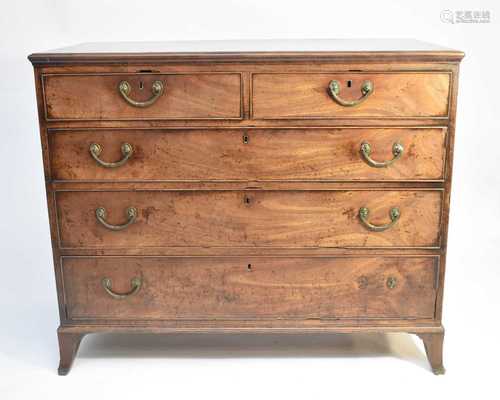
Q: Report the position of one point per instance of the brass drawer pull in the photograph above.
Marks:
(96, 150)
(135, 283)
(363, 216)
(366, 150)
(366, 90)
(100, 214)
(157, 89)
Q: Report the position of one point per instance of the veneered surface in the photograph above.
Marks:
(251, 288)
(272, 154)
(250, 218)
(395, 95)
(185, 96)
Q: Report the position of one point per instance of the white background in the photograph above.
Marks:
(256, 367)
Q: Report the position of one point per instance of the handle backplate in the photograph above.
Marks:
(391, 282)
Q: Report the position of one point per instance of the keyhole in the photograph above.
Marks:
(349, 83)
(245, 139)
(141, 85)
(247, 200)
(249, 267)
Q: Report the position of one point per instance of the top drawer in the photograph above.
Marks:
(350, 95)
(142, 96)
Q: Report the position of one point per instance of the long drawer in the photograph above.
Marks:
(268, 154)
(142, 96)
(202, 288)
(252, 218)
(356, 95)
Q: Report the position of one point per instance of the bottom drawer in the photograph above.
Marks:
(208, 288)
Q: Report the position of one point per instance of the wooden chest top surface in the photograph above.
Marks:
(250, 49)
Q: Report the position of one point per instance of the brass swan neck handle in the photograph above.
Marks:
(366, 150)
(96, 150)
(364, 212)
(107, 284)
(157, 89)
(366, 90)
(100, 214)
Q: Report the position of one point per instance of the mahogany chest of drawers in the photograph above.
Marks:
(281, 186)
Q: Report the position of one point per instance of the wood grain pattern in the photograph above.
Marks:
(250, 218)
(433, 343)
(186, 96)
(273, 154)
(223, 51)
(68, 347)
(249, 288)
(395, 95)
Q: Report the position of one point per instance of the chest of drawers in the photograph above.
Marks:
(290, 187)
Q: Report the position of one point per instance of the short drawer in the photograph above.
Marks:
(142, 96)
(253, 218)
(254, 154)
(356, 95)
(201, 288)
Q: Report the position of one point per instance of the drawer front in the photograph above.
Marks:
(277, 154)
(182, 96)
(249, 218)
(393, 95)
(202, 288)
